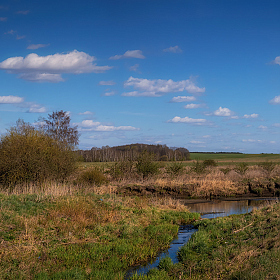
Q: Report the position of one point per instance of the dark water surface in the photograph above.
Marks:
(208, 209)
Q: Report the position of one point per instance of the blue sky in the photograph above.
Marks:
(204, 75)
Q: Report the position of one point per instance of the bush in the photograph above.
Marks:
(29, 155)
(198, 167)
(268, 166)
(165, 264)
(175, 168)
(145, 164)
(92, 176)
(210, 163)
(241, 168)
(122, 169)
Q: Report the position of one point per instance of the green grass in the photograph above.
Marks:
(221, 159)
(235, 247)
(81, 236)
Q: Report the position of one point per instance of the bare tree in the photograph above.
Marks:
(57, 125)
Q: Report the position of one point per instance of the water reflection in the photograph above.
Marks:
(207, 209)
(218, 208)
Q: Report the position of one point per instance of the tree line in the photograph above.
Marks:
(132, 152)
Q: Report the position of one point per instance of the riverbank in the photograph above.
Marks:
(234, 247)
(83, 235)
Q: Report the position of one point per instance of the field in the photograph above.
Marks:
(220, 159)
(236, 158)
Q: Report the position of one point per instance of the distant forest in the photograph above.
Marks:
(132, 152)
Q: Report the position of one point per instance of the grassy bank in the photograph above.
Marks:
(82, 235)
(234, 247)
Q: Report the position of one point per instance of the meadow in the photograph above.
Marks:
(108, 217)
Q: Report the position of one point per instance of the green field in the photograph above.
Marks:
(221, 159)
(235, 158)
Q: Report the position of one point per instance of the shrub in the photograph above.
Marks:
(175, 168)
(268, 166)
(145, 164)
(210, 163)
(29, 155)
(121, 169)
(241, 168)
(225, 170)
(92, 176)
(198, 167)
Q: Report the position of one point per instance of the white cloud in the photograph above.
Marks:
(129, 54)
(37, 46)
(41, 77)
(262, 127)
(23, 12)
(276, 99)
(253, 116)
(223, 112)
(20, 37)
(89, 123)
(109, 93)
(252, 141)
(192, 106)
(134, 67)
(175, 49)
(3, 18)
(272, 142)
(10, 99)
(49, 68)
(187, 120)
(276, 124)
(10, 32)
(114, 128)
(156, 88)
(277, 60)
(35, 108)
(97, 126)
(106, 83)
(196, 142)
(183, 99)
(86, 113)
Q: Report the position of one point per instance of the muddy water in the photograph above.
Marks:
(208, 209)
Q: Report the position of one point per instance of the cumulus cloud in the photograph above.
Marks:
(276, 99)
(134, 67)
(37, 46)
(196, 142)
(36, 108)
(106, 83)
(86, 113)
(109, 93)
(277, 60)
(253, 116)
(129, 54)
(262, 127)
(175, 49)
(156, 88)
(187, 120)
(20, 37)
(90, 125)
(12, 32)
(23, 12)
(49, 68)
(10, 99)
(252, 141)
(192, 106)
(182, 99)
(223, 112)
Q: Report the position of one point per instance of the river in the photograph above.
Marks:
(208, 209)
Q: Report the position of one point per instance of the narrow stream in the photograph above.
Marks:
(208, 209)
